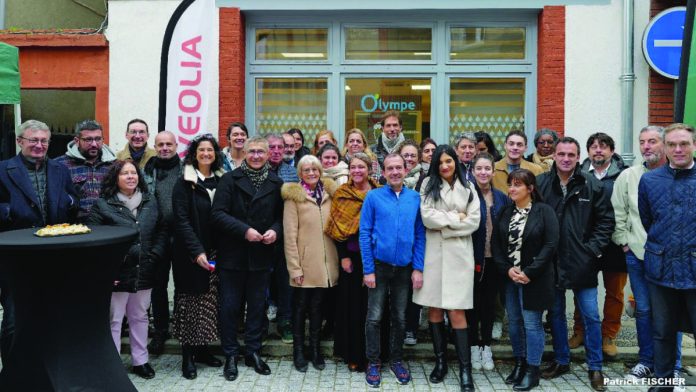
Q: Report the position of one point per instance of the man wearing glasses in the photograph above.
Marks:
(88, 160)
(34, 192)
(137, 150)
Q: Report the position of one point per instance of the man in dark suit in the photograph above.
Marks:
(34, 192)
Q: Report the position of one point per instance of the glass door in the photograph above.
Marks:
(367, 99)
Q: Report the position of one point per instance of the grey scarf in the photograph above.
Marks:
(133, 202)
(390, 145)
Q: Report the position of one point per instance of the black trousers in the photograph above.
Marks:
(480, 319)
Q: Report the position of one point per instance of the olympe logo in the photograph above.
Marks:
(372, 102)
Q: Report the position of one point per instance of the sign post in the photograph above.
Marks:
(662, 41)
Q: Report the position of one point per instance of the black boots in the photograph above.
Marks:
(461, 344)
(230, 372)
(298, 357)
(203, 355)
(298, 329)
(517, 372)
(437, 330)
(315, 318)
(529, 380)
(188, 366)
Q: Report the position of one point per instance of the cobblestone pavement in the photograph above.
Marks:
(336, 377)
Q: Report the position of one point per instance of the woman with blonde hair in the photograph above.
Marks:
(356, 142)
(322, 138)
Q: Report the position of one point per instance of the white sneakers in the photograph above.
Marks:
(487, 358)
(482, 358)
(476, 358)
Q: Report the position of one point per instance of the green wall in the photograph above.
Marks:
(54, 14)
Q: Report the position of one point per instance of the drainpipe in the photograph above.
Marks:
(2, 14)
(627, 83)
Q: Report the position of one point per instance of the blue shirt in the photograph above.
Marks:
(391, 229)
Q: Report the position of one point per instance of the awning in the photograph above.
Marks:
(9, 74)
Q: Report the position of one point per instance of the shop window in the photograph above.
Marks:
(292, 44)
(368, 98)
(284, 103)
(493, 105)
(398, 43)
(487, 43)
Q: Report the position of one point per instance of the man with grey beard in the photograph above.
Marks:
(289, 149)
(631, 236)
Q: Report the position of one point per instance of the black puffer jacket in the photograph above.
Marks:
(238, 207)
(586, 221)
(137, 271)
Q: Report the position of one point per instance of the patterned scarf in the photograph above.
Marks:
(411, 179)
(390, 145)
(344, 220)
(317, 194)
(257, 177)
(544, 162)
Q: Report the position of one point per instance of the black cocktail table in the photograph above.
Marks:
(62, 290)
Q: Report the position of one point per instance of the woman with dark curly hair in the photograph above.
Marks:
(125, 201)
(300, 149)
(195, 280)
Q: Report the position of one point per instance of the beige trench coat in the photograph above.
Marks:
(308, 251)
(448, 272)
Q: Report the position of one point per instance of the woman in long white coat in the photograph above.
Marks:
(451, 212)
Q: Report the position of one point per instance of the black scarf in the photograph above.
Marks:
(166, 164)
(136, 155)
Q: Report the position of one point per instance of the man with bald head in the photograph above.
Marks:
(161, 173)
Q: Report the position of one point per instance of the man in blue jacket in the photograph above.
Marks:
(34, 192)
(667, 207)
(392, 245)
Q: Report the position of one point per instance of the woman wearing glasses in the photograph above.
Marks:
(311, 255)
(545, 142)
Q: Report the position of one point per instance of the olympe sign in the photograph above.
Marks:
(372, 102)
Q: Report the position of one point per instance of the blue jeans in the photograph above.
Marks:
(644, 329)
(589, 310)
(392, 282)
(668, 307)
(525, 327)
(236, 289)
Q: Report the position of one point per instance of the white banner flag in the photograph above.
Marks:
(185, 71)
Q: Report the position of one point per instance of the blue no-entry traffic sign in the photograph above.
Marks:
(662, 41)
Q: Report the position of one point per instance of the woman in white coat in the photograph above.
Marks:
(451, 212)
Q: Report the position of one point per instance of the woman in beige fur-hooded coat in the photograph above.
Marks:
(308, 251)
(311, 255)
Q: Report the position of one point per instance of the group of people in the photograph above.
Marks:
(361, 238)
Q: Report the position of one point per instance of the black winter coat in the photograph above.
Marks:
(586, 221)
(539, 243)
(614, 259)
(193, 234)
(138, 269)
(238, 207)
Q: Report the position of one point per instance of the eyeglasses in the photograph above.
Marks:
(90, 140)
(33, 142)
(308, 170)
(136, 132)
(256, 152)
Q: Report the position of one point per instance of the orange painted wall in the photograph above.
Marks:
(70, 62)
